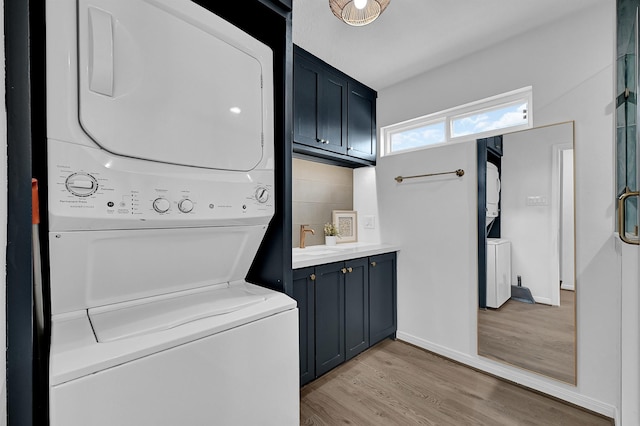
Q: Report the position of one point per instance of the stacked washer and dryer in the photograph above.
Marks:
(498, 249)
(161, 182)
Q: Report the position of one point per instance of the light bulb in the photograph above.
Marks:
(360, 4)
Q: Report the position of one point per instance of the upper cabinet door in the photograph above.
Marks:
(361, 130)
(319, 99)
(306, 80)
(169, 81)
(333, 113)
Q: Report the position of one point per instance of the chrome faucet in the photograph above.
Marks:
(303, 233)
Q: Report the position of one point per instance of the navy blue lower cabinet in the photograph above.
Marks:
(329, 319)
(356, 293)
(382, 297)
(344, 308)
(304, 294)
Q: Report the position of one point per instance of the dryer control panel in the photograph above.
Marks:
(89, 188)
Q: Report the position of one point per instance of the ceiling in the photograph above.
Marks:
(414, 36)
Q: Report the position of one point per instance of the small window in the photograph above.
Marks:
(492, 116)
(497, 118)
(429, 134)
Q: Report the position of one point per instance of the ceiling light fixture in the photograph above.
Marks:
(359, 4)
(358, 12)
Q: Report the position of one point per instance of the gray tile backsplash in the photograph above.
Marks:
(318, 189)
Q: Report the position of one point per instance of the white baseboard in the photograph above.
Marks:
(555, 389)
(543, 300)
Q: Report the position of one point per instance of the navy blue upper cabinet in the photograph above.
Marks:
(334, 115)
(361, 127)
(319, 100)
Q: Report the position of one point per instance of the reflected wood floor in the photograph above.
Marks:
(395, 383)
(537, 337)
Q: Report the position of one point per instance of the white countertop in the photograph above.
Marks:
(320, 254)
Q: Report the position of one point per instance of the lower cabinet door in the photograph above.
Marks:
(382, 297)
(356, 291)
(304, 294)
(329, 306)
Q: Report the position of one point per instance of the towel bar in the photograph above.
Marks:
(458, 172)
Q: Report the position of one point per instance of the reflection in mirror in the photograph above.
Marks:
(528, 250)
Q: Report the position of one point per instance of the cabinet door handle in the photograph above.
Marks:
(373, 264)
(313, 277)
(350, 148)
(344, 270)
(350, 269)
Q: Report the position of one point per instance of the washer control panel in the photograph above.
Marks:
(91, 184)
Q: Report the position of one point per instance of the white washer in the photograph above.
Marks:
(160, 162)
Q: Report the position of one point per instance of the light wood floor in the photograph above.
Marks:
(395, 383)
(537, 337)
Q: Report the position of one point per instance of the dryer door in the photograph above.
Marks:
(172, 82)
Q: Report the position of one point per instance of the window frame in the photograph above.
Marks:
(502, 100)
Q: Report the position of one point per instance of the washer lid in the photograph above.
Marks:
(172, 82)
(144, 316)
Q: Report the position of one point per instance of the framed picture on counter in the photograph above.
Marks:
(346, 221)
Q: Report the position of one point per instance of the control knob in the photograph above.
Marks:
(262, 194)
(185, 205)
(81, 184)
(161, 205)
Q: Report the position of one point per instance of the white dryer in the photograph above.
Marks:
(161, 180)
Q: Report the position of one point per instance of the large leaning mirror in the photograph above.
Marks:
(527, 290)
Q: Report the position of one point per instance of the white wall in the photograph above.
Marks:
(433, 220)
(570, 65)
(366, 198)
(3, 233)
